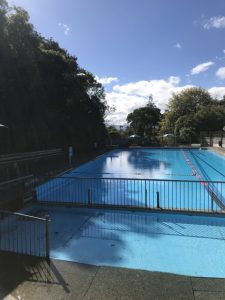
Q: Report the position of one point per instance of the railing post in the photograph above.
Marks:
(89, 197)
(34, 195)
(146, 197)
(23, 190)
(157, 197)
(212, 196)
(47, 241)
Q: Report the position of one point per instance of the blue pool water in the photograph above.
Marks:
(137, 163)
(157, 163)
(178, 179)
(174, 243)
(138, 177)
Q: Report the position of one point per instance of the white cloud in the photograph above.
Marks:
(220, 73)
(217, 92)
(178, 46)
(201, 67)
(174, 80)
(133, 95)
(65, 27)
(124, 104)
(215, 22)
(224, 51)
(106, 80)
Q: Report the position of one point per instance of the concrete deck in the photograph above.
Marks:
(29, 278)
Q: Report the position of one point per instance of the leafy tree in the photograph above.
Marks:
(142, 120)
(211, 117)
(113, 132)
(191, 111)
(46, 98)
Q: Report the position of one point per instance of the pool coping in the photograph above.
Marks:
(34, 278)
(220, 214)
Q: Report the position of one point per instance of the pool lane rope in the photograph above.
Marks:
(212, 193)
(195, 155)
(194, 170)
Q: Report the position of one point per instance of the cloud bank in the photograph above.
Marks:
(217, 92)
(130, 96)
(133, 95)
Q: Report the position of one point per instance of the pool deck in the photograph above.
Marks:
(23, 277)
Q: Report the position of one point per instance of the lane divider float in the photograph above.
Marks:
(194, 170)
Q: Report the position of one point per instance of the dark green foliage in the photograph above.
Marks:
(192, 111)
(46, 99)
(144, 119)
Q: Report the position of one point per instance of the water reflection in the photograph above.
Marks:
(136, 163)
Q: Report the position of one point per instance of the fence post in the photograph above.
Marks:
(146, 197)
(34, 195)
(89, 197)
(47, 241)
(157, 197)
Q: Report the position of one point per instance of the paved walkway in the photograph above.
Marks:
(29, 278)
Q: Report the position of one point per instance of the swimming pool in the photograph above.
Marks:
(183, 179)
(153, 241)
(187, 244)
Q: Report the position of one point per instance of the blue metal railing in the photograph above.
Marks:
(188, 195)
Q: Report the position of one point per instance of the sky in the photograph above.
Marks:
(138, 48)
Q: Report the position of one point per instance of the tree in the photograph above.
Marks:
(43, 99)
(142, 120)
(113, 132)
(210, 118)
(191, 111)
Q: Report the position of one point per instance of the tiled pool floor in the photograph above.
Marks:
(179, 244)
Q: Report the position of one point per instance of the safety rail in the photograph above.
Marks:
(185, 195)
(15, 157)
(15, 192)
(24, 234)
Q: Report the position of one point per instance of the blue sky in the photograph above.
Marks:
(139, 47)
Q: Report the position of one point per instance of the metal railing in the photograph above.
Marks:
(23, 234)
(13, 193)
(24, 156)
(185, 195)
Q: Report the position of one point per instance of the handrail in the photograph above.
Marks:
(28, 158)
(6, 159)
(141, 179)
(30, 238)
(17, 179)
(22, 215)
(30, 153)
